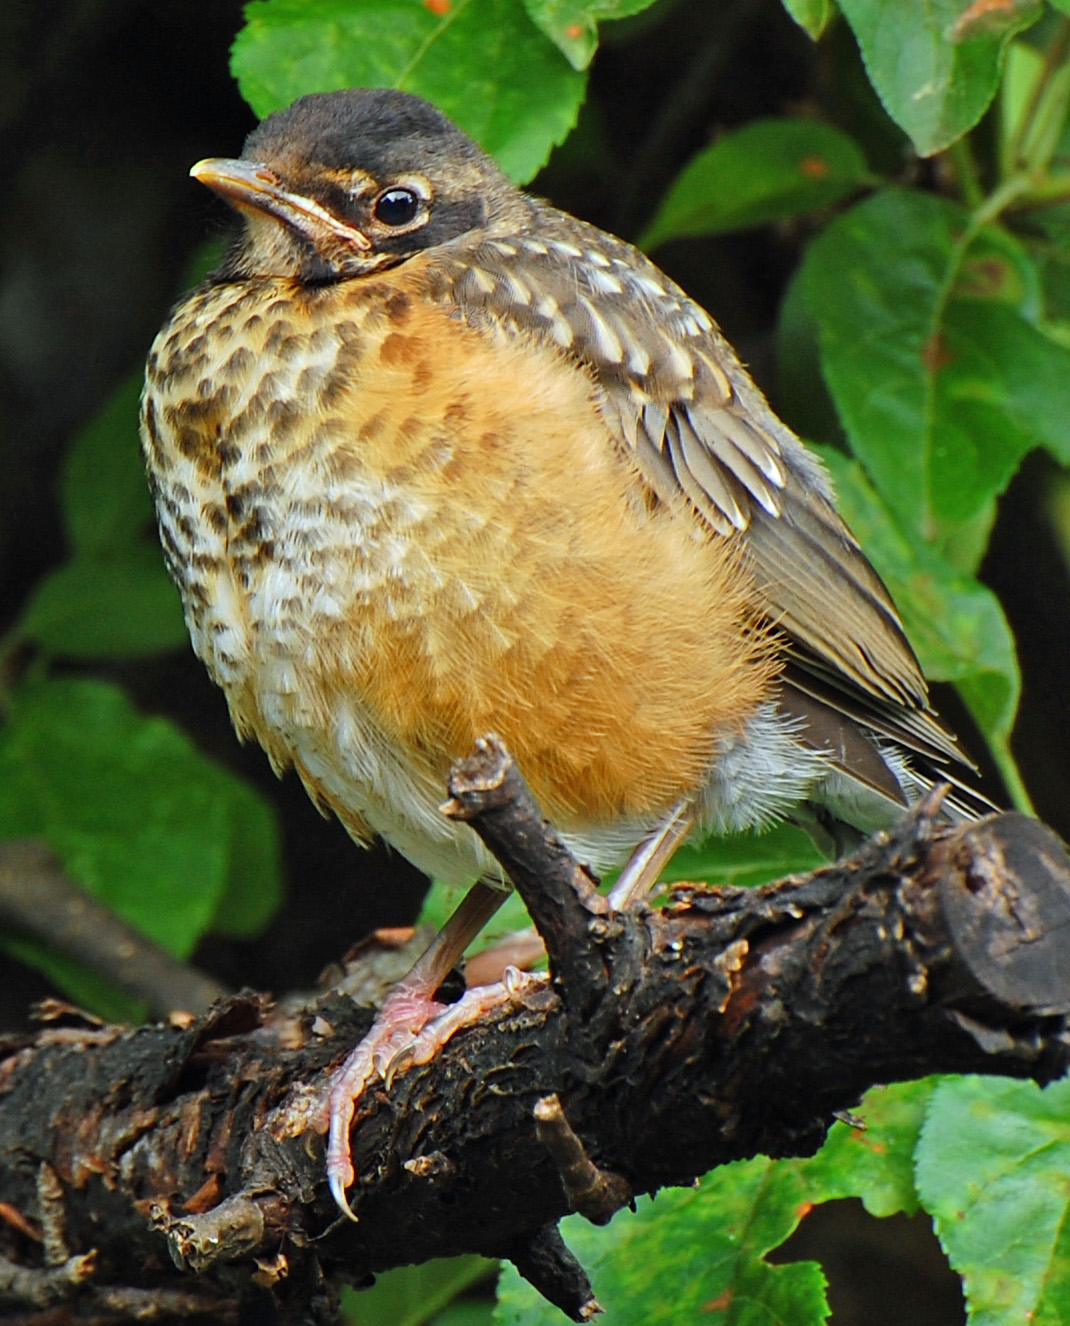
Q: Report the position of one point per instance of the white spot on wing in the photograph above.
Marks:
(606, 341)
(480, 279)
(605, 282)
(678, 360)
(515, 290)
(561, 332)
(638, 359)
(559, 329)
(647, 285)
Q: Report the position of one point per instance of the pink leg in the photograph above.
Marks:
(396, 1032)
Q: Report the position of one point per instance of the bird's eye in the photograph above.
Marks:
(396, 207)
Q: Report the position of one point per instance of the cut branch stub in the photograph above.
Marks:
(488, 791)
(1005, 890)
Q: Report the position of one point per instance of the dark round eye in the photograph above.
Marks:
(396, 207)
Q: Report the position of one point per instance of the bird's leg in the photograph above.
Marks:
(406, 1012)
(651, 857)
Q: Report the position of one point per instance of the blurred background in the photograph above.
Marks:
(105, 104)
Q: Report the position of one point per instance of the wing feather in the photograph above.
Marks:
(721, 444)
(673, 391)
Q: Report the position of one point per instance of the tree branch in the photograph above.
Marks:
(37, 898)
(732, 1022)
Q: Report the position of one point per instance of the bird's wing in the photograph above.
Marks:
(677, 397)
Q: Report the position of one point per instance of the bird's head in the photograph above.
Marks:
(343, 183)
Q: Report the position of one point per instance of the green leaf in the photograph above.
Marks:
(874, 1163)
(104, 608)
(875, 282)
(123, 801)
(113, 597)
(137, 815)
(203, 260)
(467, 1312)
(412, 1295)
(483, 62)
(965, 547)
(941, 390)
(86, 988)
(698, 1254)
(106, 501)
(252, 886)
(440, 902)
(1033, 103)
(999, 393)
(802, 396)
(747, 858)
(777, 168)
(993, 1168)
(996, 266)
(688, 1256)
(811, 15)
(955, 623)
(743, 858)
(572, 25)
(935, 81)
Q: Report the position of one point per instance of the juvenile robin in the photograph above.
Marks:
(433, 459)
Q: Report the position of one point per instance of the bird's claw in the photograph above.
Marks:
(404, 1058)
(409, 1030)
(383, 1053)
(337, 1185)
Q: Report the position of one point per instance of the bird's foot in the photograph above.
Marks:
(410, 1029)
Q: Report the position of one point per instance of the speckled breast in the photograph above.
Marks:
(239, 385)
(278, 535)
(393, 531)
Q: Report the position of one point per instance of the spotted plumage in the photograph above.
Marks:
(374, 591)
(277, 413)
(432, 459)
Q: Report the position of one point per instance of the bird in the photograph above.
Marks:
(432, 458)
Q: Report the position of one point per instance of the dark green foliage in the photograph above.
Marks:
(926, 343)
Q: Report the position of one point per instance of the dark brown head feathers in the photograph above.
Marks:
(381, 130)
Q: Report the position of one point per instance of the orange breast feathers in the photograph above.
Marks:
(492, 559)
(607, 639)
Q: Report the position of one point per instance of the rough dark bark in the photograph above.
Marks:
(731, 1022)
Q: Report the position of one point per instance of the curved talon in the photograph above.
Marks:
(398, 1062)
(514, 980)
(339, 1165)
(381, 1055)
(338, 1192)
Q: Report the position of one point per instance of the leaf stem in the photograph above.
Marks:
(1047, 192)
(999, 200)
(1012, 778)
(962, 160)
(1054, 55)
